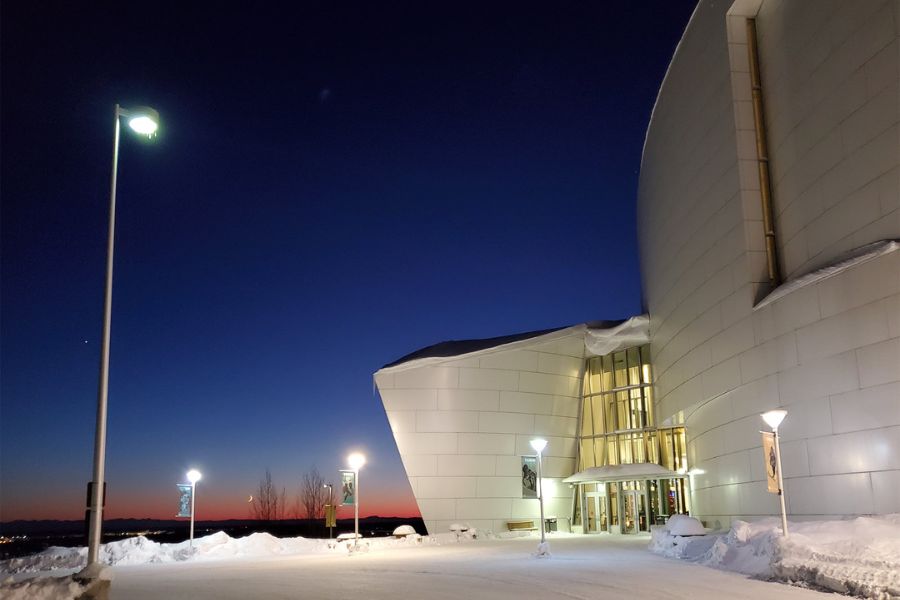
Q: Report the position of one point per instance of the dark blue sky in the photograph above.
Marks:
(335, 185)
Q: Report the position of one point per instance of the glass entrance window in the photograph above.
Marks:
(613, 504)
(630, 512)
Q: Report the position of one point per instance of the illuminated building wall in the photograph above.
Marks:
(462, 422)
(825, 344)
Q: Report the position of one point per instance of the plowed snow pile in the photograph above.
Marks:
(860, 556)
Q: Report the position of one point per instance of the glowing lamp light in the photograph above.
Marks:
(773, 418)
(194, 475)
(356, 461)
(538, 444)
(143, 120)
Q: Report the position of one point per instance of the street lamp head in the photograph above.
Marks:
(356, 461)
(194, 475)
(538, 444)
(143, 119)
(773, 418)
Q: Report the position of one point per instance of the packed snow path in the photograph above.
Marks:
(582, 567)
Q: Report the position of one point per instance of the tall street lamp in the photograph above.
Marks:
(193, 476)
(773, 419)
(539, 444)
(144, 121)
(356, 461)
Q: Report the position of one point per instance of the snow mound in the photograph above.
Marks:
(404, 530)
(857, 556)
(684, 525)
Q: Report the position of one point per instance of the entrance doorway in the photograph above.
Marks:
(596, 512)
(634, 511)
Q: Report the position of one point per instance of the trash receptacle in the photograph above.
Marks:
(550, 524)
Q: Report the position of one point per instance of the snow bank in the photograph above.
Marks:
(859, 556)
(69, 587)
(42, 588)
(140, 550)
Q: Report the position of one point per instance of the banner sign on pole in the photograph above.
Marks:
(184, 502)
(348, 488)
(529, 477)
(768, 443)
(330, 520)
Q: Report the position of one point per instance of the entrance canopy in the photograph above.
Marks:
(613, 473)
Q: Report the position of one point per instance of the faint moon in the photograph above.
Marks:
(250, 499)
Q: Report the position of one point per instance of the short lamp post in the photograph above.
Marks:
(193, 476)
(773, 419)
(143, 121)
(539, 444)
(356, 461)
(330, 489)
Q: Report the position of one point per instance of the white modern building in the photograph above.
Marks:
(768, 227)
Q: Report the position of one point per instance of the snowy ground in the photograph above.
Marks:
(858, 556)
(438, 567)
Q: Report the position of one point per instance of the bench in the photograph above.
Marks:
(525, 525)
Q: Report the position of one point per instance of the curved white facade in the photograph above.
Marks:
(828, 351)
(462, 423)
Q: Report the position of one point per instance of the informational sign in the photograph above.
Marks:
(184, 502)
(330, 520)
(529, 477)
(768, 444)
(348, 488)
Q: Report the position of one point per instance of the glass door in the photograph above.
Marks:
(590, 506)
(630, 509)
(595, 505)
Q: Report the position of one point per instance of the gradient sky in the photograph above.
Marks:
(334, 185)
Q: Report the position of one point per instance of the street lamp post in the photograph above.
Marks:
(144, 121)
(539, 444)
(193, 476)
(356, 461)
(773, 419)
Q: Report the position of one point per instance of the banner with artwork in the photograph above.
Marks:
(184, 501)
(768, 443)
(529, 477)
(348, 488)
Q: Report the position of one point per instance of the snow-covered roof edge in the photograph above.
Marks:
(633, 332)
(600, 338)
(847, 261)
